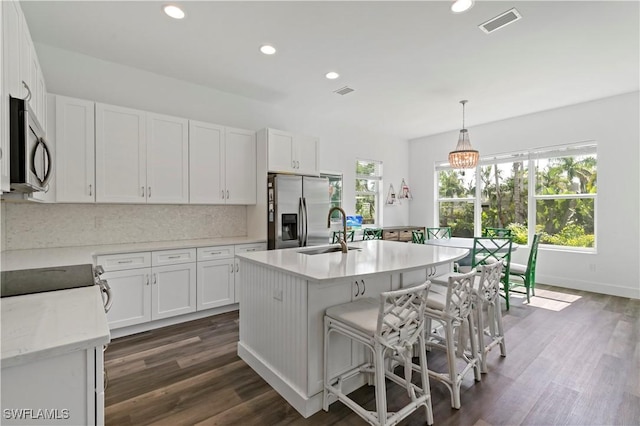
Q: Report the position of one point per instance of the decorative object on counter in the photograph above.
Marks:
(464, 156)
(404, 191)
(391, 196)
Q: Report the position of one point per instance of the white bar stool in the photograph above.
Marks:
(451, 307)
(486, 294)
(389, 327)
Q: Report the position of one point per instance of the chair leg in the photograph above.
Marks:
(474, 351)
(481, 347)
(451, 361)
(498, 320)
(325, 393)
(381, 394)
(506, 292)
(424, 376)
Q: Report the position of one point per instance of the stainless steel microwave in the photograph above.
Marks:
(31, 164)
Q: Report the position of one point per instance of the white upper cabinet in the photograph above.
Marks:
(75, 150)
(141, 157)
(11, 77)
(222, 164)
(206, 163)
(291, 153)
(120, 155)
(167, 159)
(240, 166)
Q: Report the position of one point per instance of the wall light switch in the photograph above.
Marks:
(277, 294)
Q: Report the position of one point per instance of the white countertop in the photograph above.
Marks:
(49, 257)
(375, 256)
(42, 325)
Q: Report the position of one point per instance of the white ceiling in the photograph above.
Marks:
(409, 62)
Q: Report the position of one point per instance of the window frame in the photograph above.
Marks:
(377, 177)
(529, 157)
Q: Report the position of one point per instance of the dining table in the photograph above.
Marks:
(463, 243)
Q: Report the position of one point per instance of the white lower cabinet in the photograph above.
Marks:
(148, 286)
(65, 389)
(143, 292)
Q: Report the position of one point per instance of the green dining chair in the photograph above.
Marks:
(438, 233)
(372, 234)
(337, 235)
(497, 232)
(417, 237)
(525, 275)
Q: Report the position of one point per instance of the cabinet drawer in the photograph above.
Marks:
(405, 235)
(215, 252)
(247, 248)
(172, 257)
(390, 235)
(119, 262)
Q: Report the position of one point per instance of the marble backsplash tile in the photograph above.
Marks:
(31, 225)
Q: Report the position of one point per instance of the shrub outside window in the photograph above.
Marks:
(368, 185)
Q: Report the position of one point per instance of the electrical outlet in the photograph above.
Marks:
(277, 294)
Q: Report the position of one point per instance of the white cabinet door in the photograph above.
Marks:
(167, 159)
(75, 151)
(206, 163)
(131, 291)
(12, 78)
(174, 290)
(240, 166)
(306, 155)
(280, 151)
(216, 284)
(120, 155)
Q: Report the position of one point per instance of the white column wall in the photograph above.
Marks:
(612, 122)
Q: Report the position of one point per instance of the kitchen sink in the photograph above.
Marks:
(324, 250)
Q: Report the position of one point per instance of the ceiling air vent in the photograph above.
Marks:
(343, 91)
(500, 21)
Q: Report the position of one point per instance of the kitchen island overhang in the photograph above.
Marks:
(284, 294)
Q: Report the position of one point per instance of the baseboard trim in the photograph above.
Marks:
(594, 287)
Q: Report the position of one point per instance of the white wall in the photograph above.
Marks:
(612, 122)
(71, 74)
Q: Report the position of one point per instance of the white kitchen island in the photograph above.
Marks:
(284, 296)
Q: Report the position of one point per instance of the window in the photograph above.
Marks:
(368, 184)
(551, 191)
(565, 195)
(505, 196)
(335, 193)
(456, 201)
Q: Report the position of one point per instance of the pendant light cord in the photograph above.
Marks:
(463, 102)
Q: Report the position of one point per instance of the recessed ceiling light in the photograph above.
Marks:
(332, 75)
(268, 50)
(174, 11)
(460, 6)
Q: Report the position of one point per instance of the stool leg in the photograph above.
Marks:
(325, 393)
(451, 361)
(381, 390)
(425, 379)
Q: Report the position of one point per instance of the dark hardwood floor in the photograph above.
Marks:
(573, 358)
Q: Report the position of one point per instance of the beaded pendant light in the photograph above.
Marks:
(464, 156)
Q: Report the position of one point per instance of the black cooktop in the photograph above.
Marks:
(27, 281)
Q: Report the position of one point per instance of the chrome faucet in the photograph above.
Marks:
(343, 239)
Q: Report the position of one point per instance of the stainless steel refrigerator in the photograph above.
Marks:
(297, 211)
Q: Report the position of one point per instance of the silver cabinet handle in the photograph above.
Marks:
(155, 279)
(215, 252)
(125, 261)
(237, 267)
(231, 268)
(149, 192)
(142, 187)
(364, 287)
(227, 194)
(147, 279)
(174, 257)
(293, 164)
(90, 190)
(357, 288)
